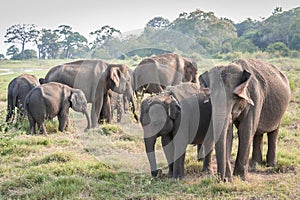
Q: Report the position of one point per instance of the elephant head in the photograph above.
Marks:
(228, 88)
(119, 78)
(190, 71)
(157, 115)
(79, 104)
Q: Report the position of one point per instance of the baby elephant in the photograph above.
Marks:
(54, 99)
(17, 90)
(181, 115)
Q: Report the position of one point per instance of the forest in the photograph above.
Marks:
(197, 33)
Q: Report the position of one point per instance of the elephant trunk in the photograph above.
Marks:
(85, 112)
(150, 150)
(221, 118)
(130, 97)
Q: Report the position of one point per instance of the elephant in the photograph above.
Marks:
(154, 74)
(116, 101)
(119, 102)
(18, 88)
(54, 99)
(92, 76)
(169, 115)
(253, 95)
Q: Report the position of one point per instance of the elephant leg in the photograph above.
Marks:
(229, 141)
(63, 121)
(272, 147)
(32, 124)
(168, 148)
(42, 128)
(207, 163)
(119, 113)
(180, 145)
(257, 150)
(199, 158)
(245, 139)
(178, 171)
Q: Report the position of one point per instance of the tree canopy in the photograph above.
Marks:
(197, 32)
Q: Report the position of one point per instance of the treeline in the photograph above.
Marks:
(198, 33)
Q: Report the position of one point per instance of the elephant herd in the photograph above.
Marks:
(249, 94)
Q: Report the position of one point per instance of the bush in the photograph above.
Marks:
(278, 49)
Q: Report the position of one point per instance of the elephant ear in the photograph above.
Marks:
(174, 108)
(241, 89)
(115, 75)
(204, 82)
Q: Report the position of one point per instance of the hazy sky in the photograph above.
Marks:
(125, 15)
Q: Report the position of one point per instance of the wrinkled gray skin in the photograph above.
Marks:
(54, 99)
(154, 74)
(254, 96)
(94, 78)
(181, 116)
(121, 102)
(117, 103)
(18, 88)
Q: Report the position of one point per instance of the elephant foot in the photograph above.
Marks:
(207, 170)
(156, 173)
(272, 164)
(241, 172)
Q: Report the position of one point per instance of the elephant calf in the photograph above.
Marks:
(18, 88)
(181, 115)
(54, 99)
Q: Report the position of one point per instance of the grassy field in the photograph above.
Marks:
(110, 162)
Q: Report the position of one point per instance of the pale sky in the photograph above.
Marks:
(125, 15)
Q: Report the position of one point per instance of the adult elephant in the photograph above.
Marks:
(254, 96)
(18, 88)
(154, 74)
(169, 115)
(90, 76)
(54, 99)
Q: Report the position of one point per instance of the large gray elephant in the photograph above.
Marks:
(18, 88)
(94, 78)
(154, 74)
(54, 99)
(181, 115)
(254, 96)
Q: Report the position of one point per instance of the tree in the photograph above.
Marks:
(21, 34)
(70, 40)
(12, 51)
(47, 43)
(204, 27)
(2, 57)
(158, 22)
(103, 35)
(277, 10)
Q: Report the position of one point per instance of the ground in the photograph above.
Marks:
(109, 162)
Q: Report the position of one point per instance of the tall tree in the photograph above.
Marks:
(103, 35)
(158, 22)
(48, 44)
(70, 40)
(21, 34)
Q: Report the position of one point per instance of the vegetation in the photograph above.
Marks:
(197, 32)
(110, 163)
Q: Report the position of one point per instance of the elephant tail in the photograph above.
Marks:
(11, 104)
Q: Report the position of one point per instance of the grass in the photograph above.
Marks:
(109, 162)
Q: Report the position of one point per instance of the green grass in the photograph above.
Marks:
(109, 162)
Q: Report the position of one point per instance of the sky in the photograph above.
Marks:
(124, 15)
